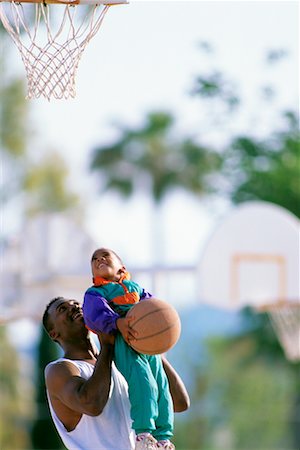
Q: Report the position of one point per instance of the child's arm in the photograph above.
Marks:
(97, 313)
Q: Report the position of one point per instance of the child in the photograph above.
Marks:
(105, 306)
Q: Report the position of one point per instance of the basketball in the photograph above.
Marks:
(157, 324)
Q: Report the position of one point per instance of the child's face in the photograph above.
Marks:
(106, 264)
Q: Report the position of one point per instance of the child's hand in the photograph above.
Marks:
(123, 325)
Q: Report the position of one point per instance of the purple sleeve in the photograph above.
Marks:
(97, 313)
(145, 295)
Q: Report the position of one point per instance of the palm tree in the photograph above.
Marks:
(154, 160)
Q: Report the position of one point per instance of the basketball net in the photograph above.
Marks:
(285, 318)
(51, 45)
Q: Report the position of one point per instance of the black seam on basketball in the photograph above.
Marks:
(155, 334)
(148, 314)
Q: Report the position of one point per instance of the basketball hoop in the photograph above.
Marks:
(51, 45)
(285, 318)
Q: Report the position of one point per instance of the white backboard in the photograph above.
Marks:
(50, 258)
(252, 258)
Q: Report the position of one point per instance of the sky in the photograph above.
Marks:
(146, 57)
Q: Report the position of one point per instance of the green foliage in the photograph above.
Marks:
(215, 86)
(15, 398)
(190, 434)
(251, 397)
(13, 118)
(44, 434)
(45, 185)
(13, 107)
(266, 169)
(14, 112)
(153, 159)
(244, 394)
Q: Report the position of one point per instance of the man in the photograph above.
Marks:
(88, 397)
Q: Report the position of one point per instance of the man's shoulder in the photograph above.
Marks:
(59, 368)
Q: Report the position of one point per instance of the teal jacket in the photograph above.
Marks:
(106, 301)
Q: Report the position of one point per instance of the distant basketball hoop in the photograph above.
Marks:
(50, 44)
(252, 259)
(285, 318)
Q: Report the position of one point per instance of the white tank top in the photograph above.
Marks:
(111, 430)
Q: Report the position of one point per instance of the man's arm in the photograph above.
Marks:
(179, 394)
(78, 394)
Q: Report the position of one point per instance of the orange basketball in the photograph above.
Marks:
(158, 326)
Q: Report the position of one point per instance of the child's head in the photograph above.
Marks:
(107, 264)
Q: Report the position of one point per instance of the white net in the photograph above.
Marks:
(285, 318)
(51, 40)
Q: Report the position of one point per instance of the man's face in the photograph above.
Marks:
(106, 264)
(67, 319)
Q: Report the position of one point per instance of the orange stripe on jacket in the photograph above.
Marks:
(99, 281)
(127, 299)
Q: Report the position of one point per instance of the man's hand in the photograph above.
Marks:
(106, 339)
(124, 326)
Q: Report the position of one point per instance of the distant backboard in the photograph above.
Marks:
(252, 258)
(51, 258)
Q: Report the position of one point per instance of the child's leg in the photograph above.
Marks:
(142, 387)
(165, 419)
